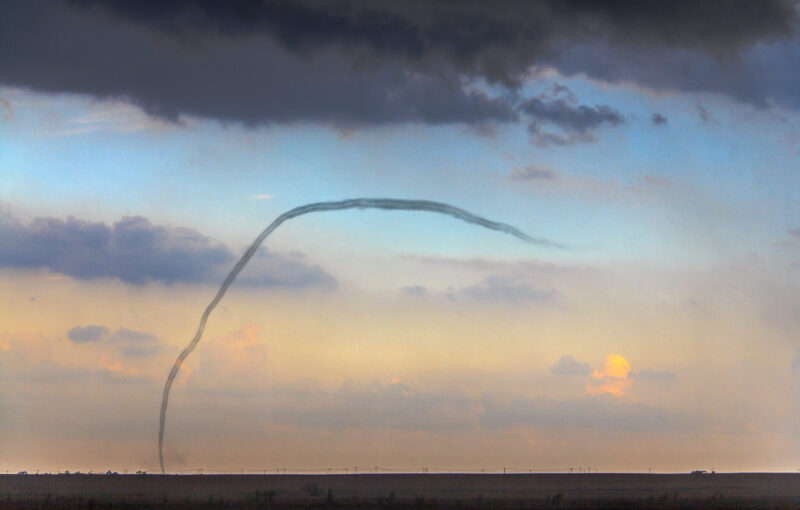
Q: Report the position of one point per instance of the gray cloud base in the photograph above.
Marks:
(137, 251)
(567, 365)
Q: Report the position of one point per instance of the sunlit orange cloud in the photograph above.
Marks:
(116, 366)
(613, 377)
(242, 350)
(614, 366)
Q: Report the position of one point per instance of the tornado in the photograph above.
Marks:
(391, 204)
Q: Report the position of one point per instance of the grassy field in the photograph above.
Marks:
(601, 491)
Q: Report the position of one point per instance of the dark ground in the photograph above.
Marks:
(467, 491)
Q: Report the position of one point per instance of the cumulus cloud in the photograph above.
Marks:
(137, 251)
(90, 333)
(510, 289)
(129, 342)
(567, 365)
(264, 61)
(612, 377)
(614, 366)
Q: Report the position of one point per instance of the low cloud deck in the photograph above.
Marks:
(442, 487)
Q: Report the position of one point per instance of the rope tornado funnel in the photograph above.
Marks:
(354, 203)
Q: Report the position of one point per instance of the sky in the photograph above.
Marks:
(144, 146)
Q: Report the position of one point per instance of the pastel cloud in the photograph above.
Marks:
(567, 365)
(27, 358)
(510, 289)
(237, 360)
(614, 366)
(129, 342)
(612, 376)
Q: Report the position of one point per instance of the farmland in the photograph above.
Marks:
(733, 490)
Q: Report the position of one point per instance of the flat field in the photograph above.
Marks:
(731, 490)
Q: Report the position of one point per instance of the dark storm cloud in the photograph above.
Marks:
(237, 77)
(136, 251)
(569, 116)
(558, 108)
(375, 62)
(763, 75)
(567, 365)
(495, 39)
